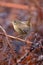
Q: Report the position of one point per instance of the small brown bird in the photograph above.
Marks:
(21, 27)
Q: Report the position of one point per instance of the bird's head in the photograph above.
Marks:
(16, 22)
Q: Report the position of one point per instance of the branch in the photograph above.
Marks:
(16, 38)
(11, 5)
(12, 50)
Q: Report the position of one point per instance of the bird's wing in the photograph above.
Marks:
(24, 28)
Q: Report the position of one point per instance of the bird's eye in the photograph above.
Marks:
(15, 22)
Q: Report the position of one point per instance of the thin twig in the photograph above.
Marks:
(16, 38)
(23, 57)
(12, 50)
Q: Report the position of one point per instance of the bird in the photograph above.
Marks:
(21, 27)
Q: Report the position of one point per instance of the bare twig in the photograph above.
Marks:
(23, 57)
(12, 50)
(16, 38)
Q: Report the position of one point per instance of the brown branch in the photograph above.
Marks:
(23, 57)
(11, 5)
(16, 38)
(8, 43)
